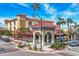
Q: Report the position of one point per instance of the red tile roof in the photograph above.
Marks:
(44, 24)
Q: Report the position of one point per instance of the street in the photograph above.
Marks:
(9, 49)
(6, 47)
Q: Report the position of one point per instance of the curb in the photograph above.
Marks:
(32, 51)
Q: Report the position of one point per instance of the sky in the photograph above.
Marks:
(47, 11)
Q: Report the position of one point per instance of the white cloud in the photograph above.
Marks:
(74, 6)
(23, 4)
(68, 13)
(49, 9)
(2, 21)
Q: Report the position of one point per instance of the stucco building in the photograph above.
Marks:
(43, 31)
(21, 20)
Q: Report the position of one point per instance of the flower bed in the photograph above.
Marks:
(20, 46)
(58, 46)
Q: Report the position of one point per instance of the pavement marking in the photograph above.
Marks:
(71, 52)
(9, 52)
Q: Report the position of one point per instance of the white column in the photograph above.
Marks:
(33, 39)
(52, 40)
(43, 40)
(47, 39)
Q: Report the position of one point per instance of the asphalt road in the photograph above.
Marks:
(6, 47)
(9, 49)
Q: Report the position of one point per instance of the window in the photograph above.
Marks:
(10, 28)
(14, 28)
(14, 23)
(30, 23)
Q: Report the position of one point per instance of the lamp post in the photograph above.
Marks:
(35, 7)
(41, 36)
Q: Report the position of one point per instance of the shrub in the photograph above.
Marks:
(23, 44)
(20, 46)
(58, 46)
(35, 49)
(29, 46)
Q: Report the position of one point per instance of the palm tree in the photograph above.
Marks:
(36, 7)
(77, 31)
(69, 21)
(76, 28)
(60, 22)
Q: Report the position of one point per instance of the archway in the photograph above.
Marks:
(48, 38)
(37, 38)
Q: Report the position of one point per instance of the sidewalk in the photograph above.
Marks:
(48, 50)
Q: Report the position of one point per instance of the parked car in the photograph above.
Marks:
(74, 43)
(5, 38)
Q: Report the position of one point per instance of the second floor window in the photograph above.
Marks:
(30, 23)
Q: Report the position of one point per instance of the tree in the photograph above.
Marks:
(22, 31)
(76, 26)
(60, 22)
(36, 6)
(7, 32)
(69, 21)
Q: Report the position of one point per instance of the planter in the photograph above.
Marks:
(20, 46)
(58, 49)
(57, 46)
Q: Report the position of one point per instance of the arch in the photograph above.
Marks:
(37, 37)
(48, 38)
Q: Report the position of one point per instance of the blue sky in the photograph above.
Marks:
(48, 11)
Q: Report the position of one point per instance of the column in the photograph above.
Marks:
(33, 39)
(41, 41)
(47, 39)
(52, 40)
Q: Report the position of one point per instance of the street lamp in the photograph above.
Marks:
(41, 36)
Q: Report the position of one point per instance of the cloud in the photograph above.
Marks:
(2, 21)
(71, 12)
(74, 7)
(68, 13)
(23, 4)
(49, 9)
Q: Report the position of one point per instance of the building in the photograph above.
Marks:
(41, 29)
(21, 20)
